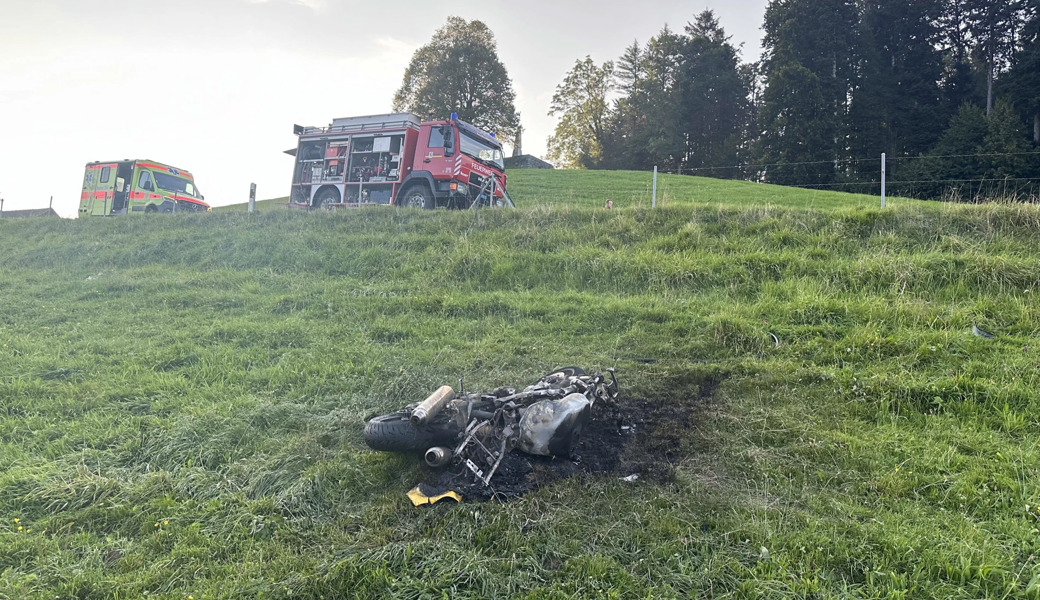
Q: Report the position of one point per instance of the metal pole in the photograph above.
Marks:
(653, 200)
(882, 180)
(252, 197)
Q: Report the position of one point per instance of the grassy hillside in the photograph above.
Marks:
(530, 187)
(182, 397)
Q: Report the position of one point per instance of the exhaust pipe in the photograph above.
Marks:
(432, 405)
(438, 456)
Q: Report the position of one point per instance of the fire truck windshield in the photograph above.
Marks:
(481, 151)
(175, 184)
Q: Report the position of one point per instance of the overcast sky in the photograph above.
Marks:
(215, 86)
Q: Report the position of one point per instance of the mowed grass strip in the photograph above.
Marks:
(183, 397)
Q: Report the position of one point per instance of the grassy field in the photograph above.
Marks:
(182, 397)
(529, 187)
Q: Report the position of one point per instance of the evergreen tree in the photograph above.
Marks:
(953, 167)
(1004, 149)
(714, 99)
(799, 128)
(809, 67)
(630, 69)
(896, 103)
(959, 83)
(1023, 81)
(619, 149)
(644, 132)
(993, 25)
(660, 97)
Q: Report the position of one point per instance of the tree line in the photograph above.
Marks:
(949, 90)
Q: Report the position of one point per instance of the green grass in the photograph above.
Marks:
(181, 397)
(531, 187)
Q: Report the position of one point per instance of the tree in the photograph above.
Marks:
(1004, 147)
(1023, 81)
(713, 105)
(952, 167)
(630, 69)
(809, 66)
(958, 82)
(459, 71)
(581, 102)
(799, 128)
(994, 25)
(896, 101)
(644, 132)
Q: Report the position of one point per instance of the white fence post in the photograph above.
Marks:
(653, 200)
(252, 197)
(882, 180)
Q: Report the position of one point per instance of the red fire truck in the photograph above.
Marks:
(400, 160)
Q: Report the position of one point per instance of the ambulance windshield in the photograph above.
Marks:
(171, 183)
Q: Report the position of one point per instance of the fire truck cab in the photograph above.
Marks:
(138, 186)
(397, 159)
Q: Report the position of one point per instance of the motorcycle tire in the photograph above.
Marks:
(395, 433)
(569, 371)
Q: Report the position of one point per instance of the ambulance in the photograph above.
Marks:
(138, 186)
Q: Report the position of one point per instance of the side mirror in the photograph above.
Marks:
(449, 140)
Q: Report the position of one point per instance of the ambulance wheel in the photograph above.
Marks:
(417, 196)
(325, 197)
(151, 208)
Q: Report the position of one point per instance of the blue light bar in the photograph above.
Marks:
(454, 116)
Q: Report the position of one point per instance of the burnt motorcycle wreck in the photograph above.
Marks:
(475, 431)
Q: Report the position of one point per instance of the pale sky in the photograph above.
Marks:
(215, 86)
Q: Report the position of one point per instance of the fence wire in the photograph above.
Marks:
(860, 176)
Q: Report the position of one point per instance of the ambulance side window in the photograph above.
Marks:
(145, 181)
(106, 172)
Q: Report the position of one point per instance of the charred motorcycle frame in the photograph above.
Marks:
(477, 430)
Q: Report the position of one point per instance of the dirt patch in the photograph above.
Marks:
(641, 437)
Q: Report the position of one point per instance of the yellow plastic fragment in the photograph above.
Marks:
(418, 498)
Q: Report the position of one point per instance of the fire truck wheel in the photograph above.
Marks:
(417, 196)
(299, 195)
(326, 196)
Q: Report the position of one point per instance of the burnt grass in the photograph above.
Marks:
(641, 437)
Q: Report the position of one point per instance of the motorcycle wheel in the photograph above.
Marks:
(395, 433)
(568, 371)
